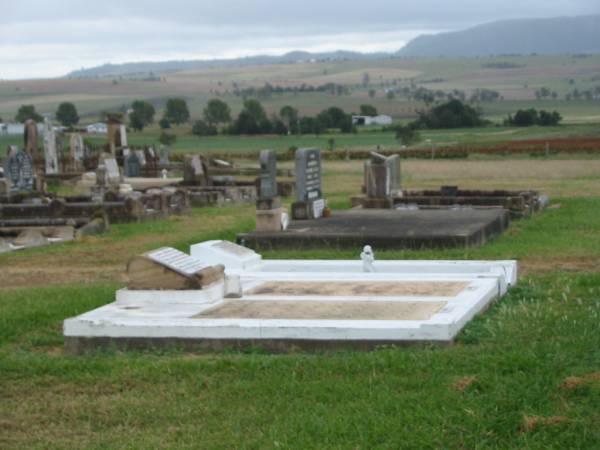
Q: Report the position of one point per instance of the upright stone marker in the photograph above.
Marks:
(164, 153)
(132, 165)
(382, 180)
(141, 157)
(309, 197)
(268, 174)
(123, 135)
(50, 153)
(113, 176)
(30, 137)
(19, 170)
(269, 212)
(77, 151)
(194, 171)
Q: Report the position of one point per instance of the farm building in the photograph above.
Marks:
(381, 119)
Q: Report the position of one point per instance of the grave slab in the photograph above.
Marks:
(301, 307)
(386, 229)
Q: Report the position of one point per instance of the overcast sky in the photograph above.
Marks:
(46, 38)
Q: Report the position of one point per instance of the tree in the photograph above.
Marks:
(407, 135)
(66, 114)
(289, 116)
(368, 110)
(452, 114)
(217, 111)
(201, 128)
(167, 139)
(252, 119)
(177, 111)
(164, 123)
(142, 114)
(26, 112)
(390, 95)
(372, 93)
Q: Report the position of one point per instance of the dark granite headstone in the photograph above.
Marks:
(268, 174)
(132, 165)
(308, 174)
(19, 170)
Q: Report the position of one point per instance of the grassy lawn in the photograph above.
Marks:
(525, 374)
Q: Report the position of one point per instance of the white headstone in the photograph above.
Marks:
(177, 261)
(232, 256)
(50, 153)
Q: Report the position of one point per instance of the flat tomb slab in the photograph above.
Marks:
(319, 310)
(386, 229)
(359, 288)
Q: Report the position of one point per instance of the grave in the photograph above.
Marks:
(77, 152)
(132, 166)
(50, 150)
(164, 154)
(310, 203)
(270, 215)
(19, 170)
(388, 229)
(194, 171)
(287, 305)
(382, 179)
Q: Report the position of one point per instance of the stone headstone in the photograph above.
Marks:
(123, 135)
(141, 157)
(164, 153)
(114, 121)
(31, 238)
(77, 151)
(113, 176)
(308, 174)
(30, 137)
(50, 151)
(132, 165)
(382, 176)
(19, 170)
(170, 269)
(268, 174)
(194, 171)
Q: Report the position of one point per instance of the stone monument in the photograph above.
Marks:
(194, 171)
(77, 152)
(269, 211)
(382, 180)
(164, 153)
(132, 166)
(309, 196)
(19, 170)
(50, 152)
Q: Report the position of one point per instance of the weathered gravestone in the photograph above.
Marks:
(141, 156)
(50, 151)
(164, 153)
(150, 157)
(113, 176)
(170, 269)
(269, 212)
(77, 153)
(114, 123)
(382, 179)
(132, 165)
(194, 171)
(309, 197)
(19, 170)
(30, 137)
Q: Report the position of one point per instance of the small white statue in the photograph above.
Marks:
(368, 258)
(164, 174)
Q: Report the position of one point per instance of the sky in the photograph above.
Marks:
(49, 38)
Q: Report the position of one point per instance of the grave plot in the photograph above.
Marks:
(226, 296)
(382, 190)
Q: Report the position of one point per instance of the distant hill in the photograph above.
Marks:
(523, 36)
(144, 68)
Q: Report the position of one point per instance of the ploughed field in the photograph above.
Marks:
(525, 374)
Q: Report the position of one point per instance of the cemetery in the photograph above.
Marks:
(225, 296)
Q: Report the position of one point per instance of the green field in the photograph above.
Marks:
(525, 374)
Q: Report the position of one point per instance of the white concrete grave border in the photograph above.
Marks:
(168, 315)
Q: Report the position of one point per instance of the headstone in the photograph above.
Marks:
(164, 153)
(77, 151)
(194, 171)
(30, 138)
(19, 170)
(382, 176)
(309, 198)
(141, 157)
(114, 122)
(150, 157)
(170, 269)
(113, 176)
(132, 165)
(123, 135)
(30, 238)
(50, 152)
(268, 174)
